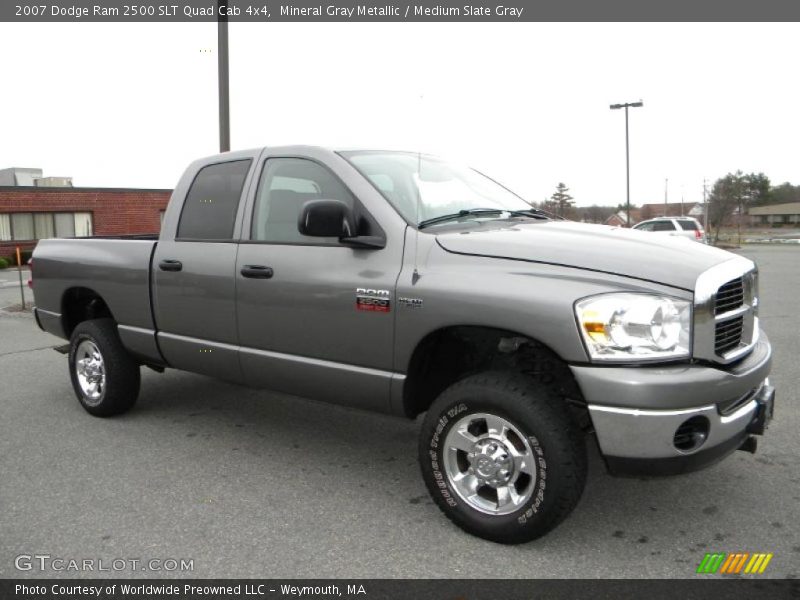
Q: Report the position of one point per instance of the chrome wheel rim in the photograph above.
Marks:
(90, 371)
(489, 463)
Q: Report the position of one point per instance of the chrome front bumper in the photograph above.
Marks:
(634, 433)
(636, 412)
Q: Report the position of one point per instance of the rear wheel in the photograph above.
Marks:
(502, 457)
(104, 376)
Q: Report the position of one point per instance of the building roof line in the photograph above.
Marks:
(68, 189)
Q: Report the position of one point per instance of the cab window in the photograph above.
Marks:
(209, 211)
(285, 185)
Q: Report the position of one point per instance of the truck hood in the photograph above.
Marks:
(669, 260)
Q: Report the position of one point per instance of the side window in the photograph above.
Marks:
(286, 183)
(688, 225)
(663, 226)
(644, 227)
(209, 211)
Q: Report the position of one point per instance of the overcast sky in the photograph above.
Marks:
(129, 105)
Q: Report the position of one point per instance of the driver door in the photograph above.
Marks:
(300, 327)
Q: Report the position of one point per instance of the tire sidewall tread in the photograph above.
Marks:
(122, 371)
(539, 411)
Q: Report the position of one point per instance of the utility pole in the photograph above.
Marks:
(682, 195)
(626, 106)
(666, 195)
(705, 206)
(224, 80)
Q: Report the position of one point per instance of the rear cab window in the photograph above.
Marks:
(209, 211)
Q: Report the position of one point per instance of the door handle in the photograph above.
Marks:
(170, 265)
(257, 272)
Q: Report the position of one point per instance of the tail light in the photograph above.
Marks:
(698, 235)
(30, 266)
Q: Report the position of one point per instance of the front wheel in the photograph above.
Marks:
(502, 457)
(104, 376)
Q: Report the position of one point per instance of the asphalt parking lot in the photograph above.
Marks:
(252, 484)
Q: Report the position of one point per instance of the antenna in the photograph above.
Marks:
(415, 276)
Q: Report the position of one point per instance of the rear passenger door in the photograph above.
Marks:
(193, 274)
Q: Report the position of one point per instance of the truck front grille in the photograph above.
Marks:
(728, 335)
(726, 311)
(729, 296)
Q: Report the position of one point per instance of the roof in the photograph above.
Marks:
(679, 217)
(23, 176)
(790, 208)
(28, 189)
(619, 216)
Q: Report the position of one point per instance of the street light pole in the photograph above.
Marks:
(626, 106)
(224, 92)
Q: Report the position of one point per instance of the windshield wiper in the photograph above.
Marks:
(532, 212)
(462, 213)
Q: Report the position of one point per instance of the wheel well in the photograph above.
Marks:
(447, 355)
(81, 304)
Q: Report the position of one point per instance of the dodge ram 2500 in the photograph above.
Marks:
(403, 283)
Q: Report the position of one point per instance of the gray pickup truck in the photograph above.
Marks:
(403, 283)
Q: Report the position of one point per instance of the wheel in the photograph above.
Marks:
(502, 457)
(104, 376)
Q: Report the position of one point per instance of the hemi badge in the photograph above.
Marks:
(410, 302)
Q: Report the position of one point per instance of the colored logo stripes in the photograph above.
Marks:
(735, 563)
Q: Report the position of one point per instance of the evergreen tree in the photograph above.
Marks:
(561, 199)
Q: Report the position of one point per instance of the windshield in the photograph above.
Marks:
(423, 187)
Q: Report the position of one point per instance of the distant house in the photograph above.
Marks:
(619, 219)
(672, 209)
(777, 214)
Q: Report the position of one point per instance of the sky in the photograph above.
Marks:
(130, 105)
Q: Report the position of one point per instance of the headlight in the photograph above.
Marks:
(629, 327)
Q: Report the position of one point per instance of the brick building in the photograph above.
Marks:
(29, 213)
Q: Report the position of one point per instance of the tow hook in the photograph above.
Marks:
(749, 445)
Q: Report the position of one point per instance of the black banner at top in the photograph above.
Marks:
(261, 11)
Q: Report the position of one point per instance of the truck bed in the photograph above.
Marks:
(115, 268)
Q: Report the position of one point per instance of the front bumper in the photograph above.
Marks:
(641, 414)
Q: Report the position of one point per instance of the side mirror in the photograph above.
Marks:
(326, 218)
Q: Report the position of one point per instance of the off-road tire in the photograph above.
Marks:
(120, 387)
(538, 412)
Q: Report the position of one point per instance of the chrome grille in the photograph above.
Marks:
(726, 311)
(728, 335)
(729, 296)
